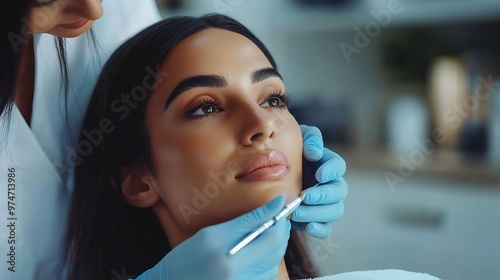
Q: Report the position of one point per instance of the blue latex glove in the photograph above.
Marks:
(205, 254)
(323, 203)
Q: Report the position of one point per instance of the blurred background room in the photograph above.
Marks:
(408, 93)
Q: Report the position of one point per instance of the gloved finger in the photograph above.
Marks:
(268, 248)
(319, 213)
(313, 142)
(257, 217)
(260, 256)
(319, 230)
(328, 193)
(274, 239)
(332, 167)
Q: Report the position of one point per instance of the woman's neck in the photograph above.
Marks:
(25, 83)
(283, 273)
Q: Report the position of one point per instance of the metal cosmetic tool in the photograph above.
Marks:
(287, 210)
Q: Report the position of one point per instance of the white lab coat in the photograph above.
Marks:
(32, 230)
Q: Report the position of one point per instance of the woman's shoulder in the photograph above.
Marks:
(385, 274)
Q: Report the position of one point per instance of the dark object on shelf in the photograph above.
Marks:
(407, 53)
(331, 118)
(474, 140)
(171, 4)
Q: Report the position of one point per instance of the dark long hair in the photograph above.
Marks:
(106, 234)
(11, 32)
(14, 37)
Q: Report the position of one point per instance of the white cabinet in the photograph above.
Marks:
(444, 227)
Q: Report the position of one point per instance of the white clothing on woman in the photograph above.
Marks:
(38, 160)
(383, 274)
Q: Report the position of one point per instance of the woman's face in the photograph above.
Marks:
(63, 18)
(222, 139)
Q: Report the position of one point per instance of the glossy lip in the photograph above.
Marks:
(75, 25)
(268, 165)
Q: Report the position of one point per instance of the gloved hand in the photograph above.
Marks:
(323, 203)
(205, 254)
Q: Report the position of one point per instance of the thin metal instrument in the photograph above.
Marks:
(289, 208)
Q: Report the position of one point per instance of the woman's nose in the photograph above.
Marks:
(258, 126)
(89, 9)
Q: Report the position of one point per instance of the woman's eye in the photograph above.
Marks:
(41, 3)
(276, 100)
(205, 110)
(273, 102)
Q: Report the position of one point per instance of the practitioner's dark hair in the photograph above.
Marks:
(11, 27)
(106, 234)
(13, 39)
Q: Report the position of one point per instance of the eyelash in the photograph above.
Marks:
(284, 98)
(39, 4)
(200, 104)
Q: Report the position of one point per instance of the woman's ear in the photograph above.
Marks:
(137, 186)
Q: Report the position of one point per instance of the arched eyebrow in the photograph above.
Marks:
(193, 82)
(265, 73)
(217, 81)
